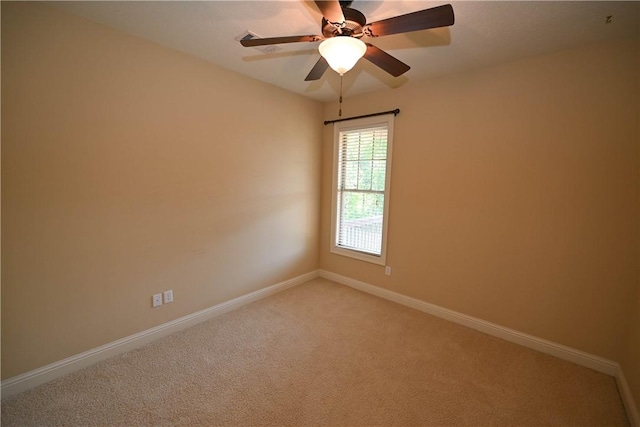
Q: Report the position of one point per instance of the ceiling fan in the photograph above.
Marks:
(342, 29)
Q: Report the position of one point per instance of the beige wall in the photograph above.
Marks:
(129, 169)
(515, 195)
(630, 354)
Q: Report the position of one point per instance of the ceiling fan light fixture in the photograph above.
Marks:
(342, 52)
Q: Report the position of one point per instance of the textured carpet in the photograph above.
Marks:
(325, 354)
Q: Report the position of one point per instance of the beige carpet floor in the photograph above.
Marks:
(325, 354)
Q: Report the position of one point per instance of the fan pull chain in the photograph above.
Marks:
(340, 109)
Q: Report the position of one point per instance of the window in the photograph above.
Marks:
(361, 171)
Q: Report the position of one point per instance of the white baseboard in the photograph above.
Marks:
(558, 350)
(627, 398)
(55, 370)
(563, 352)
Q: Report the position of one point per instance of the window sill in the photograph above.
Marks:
(362, 256)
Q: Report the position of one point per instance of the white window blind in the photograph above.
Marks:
(362, 162)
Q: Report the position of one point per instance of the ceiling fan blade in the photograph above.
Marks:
(440, 16)
(279, 40)
(331, 10)
(382, 59)
(318, 70)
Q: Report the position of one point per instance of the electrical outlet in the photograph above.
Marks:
(387, 271)
(157, 300)
(168, 296)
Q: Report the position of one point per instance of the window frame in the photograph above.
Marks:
(354, 125)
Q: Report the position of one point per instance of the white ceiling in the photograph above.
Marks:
(485, 33)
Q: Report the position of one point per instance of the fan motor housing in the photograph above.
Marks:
(354, 22)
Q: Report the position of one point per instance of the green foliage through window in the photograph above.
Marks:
(361, 186)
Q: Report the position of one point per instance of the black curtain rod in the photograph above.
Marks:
(394, 112)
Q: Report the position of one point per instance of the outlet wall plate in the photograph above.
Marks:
(157, 300)
(168, 296)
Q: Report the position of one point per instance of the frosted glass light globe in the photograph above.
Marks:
(342, 52)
